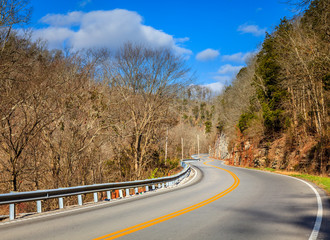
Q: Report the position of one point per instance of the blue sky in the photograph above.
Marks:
(215, 36)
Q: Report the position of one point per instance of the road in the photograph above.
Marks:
(221, 202)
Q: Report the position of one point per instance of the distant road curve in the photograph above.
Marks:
(222, 202)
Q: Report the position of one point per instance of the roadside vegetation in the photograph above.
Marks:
(71, 118)
(275, 114)
(323, 182)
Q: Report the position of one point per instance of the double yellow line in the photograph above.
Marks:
(155, 221)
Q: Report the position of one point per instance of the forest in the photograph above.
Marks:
(276, 111)
(91, 116)
(71, 118)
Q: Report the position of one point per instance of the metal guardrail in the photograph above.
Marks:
(191, 160)
(18, 197)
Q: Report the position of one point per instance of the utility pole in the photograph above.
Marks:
(182, 148)
(198, 144)
(166, 145)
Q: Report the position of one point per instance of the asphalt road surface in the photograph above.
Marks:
(220, 202)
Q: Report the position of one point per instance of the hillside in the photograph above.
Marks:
(276, 111)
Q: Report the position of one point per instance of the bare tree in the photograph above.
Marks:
(146, 81)
(304, 62)
(12, 12)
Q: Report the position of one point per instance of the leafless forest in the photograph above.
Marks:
(74, 118)
(91, 116)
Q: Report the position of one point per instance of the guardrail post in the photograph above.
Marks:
(95, 197)
(109, 195)
(147, 188)
(60, 202)
(116, 194)
(39, 210)
(127, 192)
(136, 190)
(158, 185)
(12, 213)
(163, 185)
(121, 193)
(80, 202)
(153, 187)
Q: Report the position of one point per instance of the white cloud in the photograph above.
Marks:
(181, 40)
(109, 29)
(216, 87)
(253, 29)
(238, 57)
(229, 69)
(223, 79)
(58, 36)
(207, 54)
(83, 3)
(60, 20)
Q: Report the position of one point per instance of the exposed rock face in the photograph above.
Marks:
(285, 153)
(281, 153)
(260, 157)
(242, 154)
(221, 147)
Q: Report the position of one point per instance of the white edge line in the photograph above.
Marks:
(319, 214)
(87, 207)
(318, 220)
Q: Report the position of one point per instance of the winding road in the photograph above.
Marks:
(219, 202)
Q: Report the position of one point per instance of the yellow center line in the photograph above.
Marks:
(152, 222)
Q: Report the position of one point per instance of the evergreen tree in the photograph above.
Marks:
(269, 90)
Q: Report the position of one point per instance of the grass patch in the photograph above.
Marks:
(269, 169)
(323, 182)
